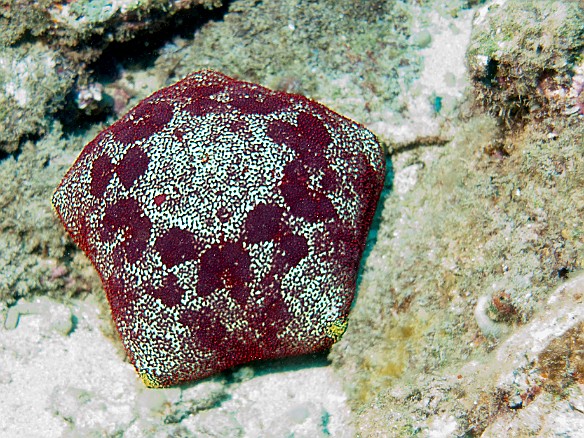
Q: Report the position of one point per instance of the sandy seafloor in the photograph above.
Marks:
(470, 307)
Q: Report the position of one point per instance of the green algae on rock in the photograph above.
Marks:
(74, 23)
(515, 73)
(494, 214)
(33, 83)
(355, 55)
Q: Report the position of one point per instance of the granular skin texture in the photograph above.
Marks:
(226, 222)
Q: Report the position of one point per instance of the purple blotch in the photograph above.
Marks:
(102, 171)
(302, 200)
(170, 293)
(147, 118)
(226, 266)
(132, 166)
(255, 101)
(127, 215)
(176, 246)
(309, 139)
(208, 330)
(263, 223)
(292, 249)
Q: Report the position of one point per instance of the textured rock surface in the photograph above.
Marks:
(72, 24)
(226, 222)
(525, 74)
(482, 216)
(33, 83)
(474, 237)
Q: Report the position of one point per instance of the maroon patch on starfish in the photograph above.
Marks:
(127, 218)
(142, 121)
(225, 267)
(291, 249)
(304, 201)
(176, 246)
(102, 172)
(226, 222)
(208, 330)
(170, 293)
(263, 223)
(132, 166)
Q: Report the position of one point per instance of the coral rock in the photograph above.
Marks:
(226, 222)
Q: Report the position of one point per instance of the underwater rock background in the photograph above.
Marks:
(469, 312)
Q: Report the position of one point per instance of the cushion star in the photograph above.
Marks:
(226, 222)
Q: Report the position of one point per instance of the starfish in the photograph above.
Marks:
(226, 222)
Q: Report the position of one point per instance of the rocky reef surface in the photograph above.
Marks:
(469, 314)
